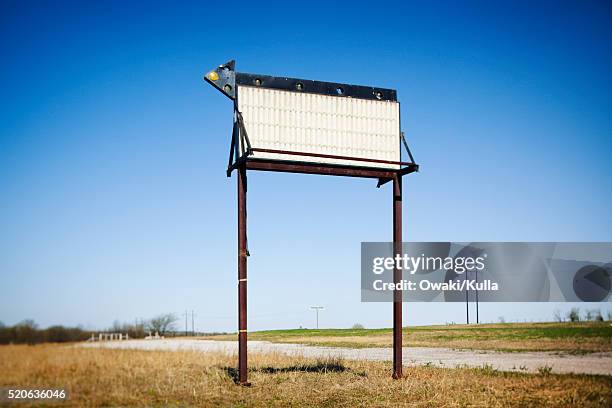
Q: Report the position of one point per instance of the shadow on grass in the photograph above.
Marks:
(322, 367)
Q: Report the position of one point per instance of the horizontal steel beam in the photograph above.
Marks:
(312, 168)
(330, 156)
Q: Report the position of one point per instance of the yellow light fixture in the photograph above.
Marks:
(213, 76)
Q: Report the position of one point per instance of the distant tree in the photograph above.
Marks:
(2, 325)
(596, 315)
(574, 315)
(134, 330)
(357, 326)
(27, 331)
(501, 319)
(117, 326)
(162, 323)
(137, 330)
(558, 316)
(588, 315)
(29, 323)
(61, 334)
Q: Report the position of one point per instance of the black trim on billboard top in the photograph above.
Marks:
(316, 87)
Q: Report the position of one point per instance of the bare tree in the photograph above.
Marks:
(116, 326)
(574, 315)
(597, 317)
(28, 323)
(162, 323)
(27, 332)
(558, 316)
(134, 330)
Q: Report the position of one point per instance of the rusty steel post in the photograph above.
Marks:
(242, 277)
(397, 277)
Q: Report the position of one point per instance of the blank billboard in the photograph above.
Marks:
(320, 124)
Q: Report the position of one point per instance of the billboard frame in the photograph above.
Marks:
(241, 158)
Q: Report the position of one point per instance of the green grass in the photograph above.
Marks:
(500, 331)
(579, 337)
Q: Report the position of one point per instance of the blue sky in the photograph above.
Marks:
(114, 204)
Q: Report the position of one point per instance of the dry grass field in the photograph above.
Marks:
(579, 337)
(104, 377)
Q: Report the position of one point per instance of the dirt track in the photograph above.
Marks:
(595, 363)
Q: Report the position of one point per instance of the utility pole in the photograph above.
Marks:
(477, 319)
(467, 305)
(317, 308)
(186, 314)
(192, 323)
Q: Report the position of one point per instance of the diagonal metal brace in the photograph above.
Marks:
(382, 182)
(239, 133)
(243, 132)
(406, 147)
(230, 162)
(411, 168)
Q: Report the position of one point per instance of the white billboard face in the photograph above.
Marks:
(320, 124)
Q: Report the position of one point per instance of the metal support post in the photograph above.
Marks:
(242, 277)
(397, 277)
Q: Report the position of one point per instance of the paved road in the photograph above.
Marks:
(595, 363)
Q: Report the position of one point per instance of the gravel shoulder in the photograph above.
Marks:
(594, 363)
